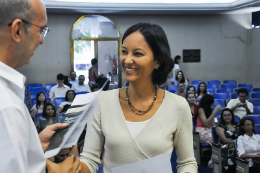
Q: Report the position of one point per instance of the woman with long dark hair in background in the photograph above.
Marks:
(40, 102)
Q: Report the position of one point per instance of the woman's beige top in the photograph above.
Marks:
(169, 128)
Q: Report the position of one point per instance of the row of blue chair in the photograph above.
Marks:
(38, 85)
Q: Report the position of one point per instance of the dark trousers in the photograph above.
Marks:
(254, 169)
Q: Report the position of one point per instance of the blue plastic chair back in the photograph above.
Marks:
(218, 113)
(213, 87)
(224, 90)
(233, 95)
(255, 102)
(230, 82)
(173, 87)
(196, 87)
(37, 116)
(210, 91)
(173, 162)
(255, 118)
(255, 95)
(58, 101)
(255, 90)
(256, 109)
(245, 86)
(257, 129)
(49, 86)
(214, 135)
(214, 82)
(78, 93)
(33, 85)
(227, 86)
(196, 82)
(222, 96)
(172, 91)
(36, 90)
(218, 102)
(235, 90)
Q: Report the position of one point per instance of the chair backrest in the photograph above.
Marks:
(49, 86)
(230, 86)
(196, 82)
(213, 87)
(245, 86)
(255, 102)
(173, 162)
(33, 85)
(210, 91)
(37, 116)
(196, 87)
(172, 91)
(257, 129)
(222, 96)
(256, 109)
(218, 102)
(224, 90)
(255, 118)
(36, 90)
(58, 101)
(255, 90)
(235, 90)
(26, 103)
(233, 96)
(218, 113)
(214, 82)
(230, 82)
(255, 95)
(173, 87)
(78, 93)
(214, 135)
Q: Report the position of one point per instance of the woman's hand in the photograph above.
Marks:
(218, 108)
(67, 166)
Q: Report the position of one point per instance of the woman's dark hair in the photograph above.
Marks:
(222, 118)
(183, 78)
(188, 93)
(205, 103)
(66, 81)
(241, 124)
(158, 43)
(191, 87)
(44, 113)
(205, 91)
(38, 103)
(94, 61)
(176, 59)
(95, 86)
(67, 93)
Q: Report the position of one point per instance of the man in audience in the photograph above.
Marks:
(22, 29)
(241, 106)
(81, 87)
(73, 79)
(58, 90)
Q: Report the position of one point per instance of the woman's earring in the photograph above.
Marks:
(156, 68)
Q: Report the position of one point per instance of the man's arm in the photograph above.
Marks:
(51, 95)
(248, 112)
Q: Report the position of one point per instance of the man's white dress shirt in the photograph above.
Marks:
(241, 111)
(56, 92)
(248, 145)
(20, 146)
(80, 88)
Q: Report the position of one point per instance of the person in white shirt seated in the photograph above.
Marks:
(241, 106)
(64, 106)
(81, 86)
(176, 66)
(40, 102)
(248, 143)
(58, 90)
(73, 79)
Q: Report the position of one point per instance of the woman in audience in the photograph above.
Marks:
(40, 102)
(205, 118)
(93, 71)
(191, 89)
(227, 131)
(180, 78)
(181, 88)
(176, 66)
(202, 90)
(48, 117)
(248, 143)
(64, 106)
(190, 97)
(125, 120)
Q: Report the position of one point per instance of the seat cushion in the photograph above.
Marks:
(205, 145)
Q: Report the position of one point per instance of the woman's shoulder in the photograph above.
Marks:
(176, 99)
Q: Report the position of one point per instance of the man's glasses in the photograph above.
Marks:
(43, 30)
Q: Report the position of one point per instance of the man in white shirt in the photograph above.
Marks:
(73, 79)
(241, 106)
(58, 90)
(22, 29)
(81, 86)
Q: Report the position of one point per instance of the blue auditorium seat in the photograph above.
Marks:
(233, 95)
(214, 135)
(235, 90)
(245, 86)
(222, 96)
(196, 87)
(256, 109)
(58, 101)
(173, 162)
(36, 90)
(227, 86)
(218, 102)
(255, 118)
(255, 95)
(37, 116)
(172, 91)
(33, 85)
(214, 82)
(26, 103)
(257, 129)
(62, 115)
(210, 91)
(255, 90)
(173, 87)
(230, 82)
(196, 82)
(49, 86)
(255, 102)
(224, 90)
(78, 93)
(213, 87)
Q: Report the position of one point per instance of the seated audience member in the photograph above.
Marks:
(191, 89)
(176, 67)
(181, 88)
(227, 132)
(73, 79)
(64, 106)
(241, 106)
(40, 102)
(48, 117)
(58, 90)
(248, 143)
(95, 87)
(202, 90)
(80, 86)
(63, 155)
(66, 81)
(205, 118)
(179, 78)
(190, 97)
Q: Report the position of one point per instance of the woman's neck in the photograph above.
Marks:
(70, 101)
(191, 104)
(42, 103)
(201, 94)
(249, 134)
(141, 91)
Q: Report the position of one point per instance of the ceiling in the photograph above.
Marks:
(152, 6)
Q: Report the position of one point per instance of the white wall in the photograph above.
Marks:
(221, 38)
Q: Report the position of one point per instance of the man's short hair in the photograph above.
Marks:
(82, 76)
(15, 9)
(242, 90)
(60, 77)
(72, 72)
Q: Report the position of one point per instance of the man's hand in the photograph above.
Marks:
(48, 132)
(245, 105)
(67, 166)
(238, 105)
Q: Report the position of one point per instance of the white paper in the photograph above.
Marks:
(157, 164)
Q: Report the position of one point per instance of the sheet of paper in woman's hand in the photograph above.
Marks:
(157, 164)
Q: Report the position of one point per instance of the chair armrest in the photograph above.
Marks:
(242, 160)
(216, 145)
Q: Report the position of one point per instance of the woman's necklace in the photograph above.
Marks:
(136, 111)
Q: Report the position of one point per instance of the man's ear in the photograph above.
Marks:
(16, 30)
